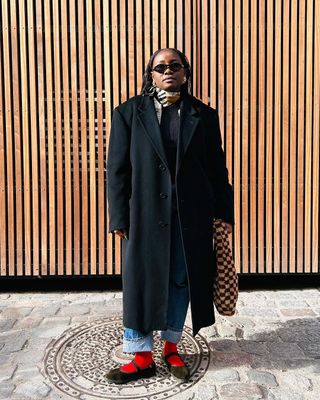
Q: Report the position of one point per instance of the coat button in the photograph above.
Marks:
(162, 167)
(163, 224)
(163, 195)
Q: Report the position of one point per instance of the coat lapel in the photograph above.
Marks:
(188, 122)
(148, 118)
(189, 119)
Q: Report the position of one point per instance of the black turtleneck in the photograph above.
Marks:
(170, 127)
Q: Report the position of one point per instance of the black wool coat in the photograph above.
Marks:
(140, 196)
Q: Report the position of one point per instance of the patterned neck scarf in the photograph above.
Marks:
(166, 98)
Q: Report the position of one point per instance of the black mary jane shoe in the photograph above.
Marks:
(179, 372)
(119, 377)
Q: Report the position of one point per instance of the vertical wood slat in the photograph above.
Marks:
(261, 207)
(117, 36)
(253, 134)
(17, 150)
(285, 141)
(235, 116)
(50, 127)
(75, 139)
(308, 136)
(244, 154)
(108, 99)
(8, 130)
(269, 183)
(300, 135)
(59, 138)
(67, 141)
(42, 138)
(316, 143)
(267, 97)
(92, 149)
(276, 206)
(84, 147)
(3, 209)
(34, 154)
(101, 190)
(293, 137)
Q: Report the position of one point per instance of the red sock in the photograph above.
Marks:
(173, 360)
(142, 358)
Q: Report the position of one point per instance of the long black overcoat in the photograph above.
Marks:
(140, 195)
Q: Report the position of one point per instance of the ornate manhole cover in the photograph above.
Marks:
(77, 362)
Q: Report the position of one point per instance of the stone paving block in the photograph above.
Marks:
(45, 311)
(259, 312)
(234, 359)
(72, 310)
(37, 344)
(247, 391)
(6, 389)
(255, 348)
(282, 294)
(226, 330)
(264, 362)
(93, 298)
(26, 372)
(6, 358)
(16, 344)
(310, 349)
(16, 312)
(7, 371)
(223, 375)
(297, 312)
(98, 308)
(297, 382)
(49, 331)
(32, 389)
(292, 303)
(224, 345)
(264, 378)
(6, 324)
(27, 323)
(285, 351)
(204, 391)
(29, 356)
(310, 293)
(311, 366)
(243, 322)
(263, 336)
(57, 320)
(284, 394)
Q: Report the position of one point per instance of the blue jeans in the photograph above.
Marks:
(178, 301)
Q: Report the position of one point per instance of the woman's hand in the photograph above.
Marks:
(123, 233)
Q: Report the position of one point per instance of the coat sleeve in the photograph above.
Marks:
(119, 173)
(218, 172)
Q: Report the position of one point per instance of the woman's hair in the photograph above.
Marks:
(147, 78)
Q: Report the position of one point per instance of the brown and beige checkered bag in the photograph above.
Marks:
(225, 287)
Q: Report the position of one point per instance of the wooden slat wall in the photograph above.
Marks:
(64, 66)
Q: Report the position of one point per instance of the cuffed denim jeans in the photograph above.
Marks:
(178, 301)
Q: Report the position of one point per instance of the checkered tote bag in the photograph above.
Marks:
(225, 287)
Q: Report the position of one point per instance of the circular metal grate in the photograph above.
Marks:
(78, 360)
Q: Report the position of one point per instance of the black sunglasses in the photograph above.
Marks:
(174, 67)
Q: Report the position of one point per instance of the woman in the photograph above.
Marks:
(167, 181)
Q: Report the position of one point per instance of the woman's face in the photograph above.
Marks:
(168, 80)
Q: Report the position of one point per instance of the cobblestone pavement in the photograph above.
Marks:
(269, 350)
